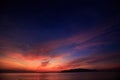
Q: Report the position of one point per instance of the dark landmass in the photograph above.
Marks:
(92, 70)
(79, 70)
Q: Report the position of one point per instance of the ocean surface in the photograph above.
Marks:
(60, 76)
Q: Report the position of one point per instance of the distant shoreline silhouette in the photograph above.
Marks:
(63, 71)
(91, 70)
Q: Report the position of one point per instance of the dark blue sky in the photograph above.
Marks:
(53, 19)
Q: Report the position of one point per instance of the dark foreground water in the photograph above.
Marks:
(60, 76)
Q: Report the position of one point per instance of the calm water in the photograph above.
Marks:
(60, 76)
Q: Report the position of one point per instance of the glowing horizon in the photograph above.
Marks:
(61, 54)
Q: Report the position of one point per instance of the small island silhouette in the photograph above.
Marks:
(79, 70)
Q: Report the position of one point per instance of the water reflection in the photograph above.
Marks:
(60, 76)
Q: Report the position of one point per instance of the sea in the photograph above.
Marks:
(61, 76)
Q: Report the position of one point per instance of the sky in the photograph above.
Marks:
(55, 35)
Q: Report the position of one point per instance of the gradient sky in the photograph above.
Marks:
(55, 35)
